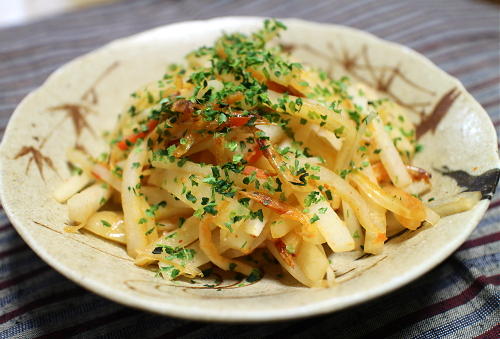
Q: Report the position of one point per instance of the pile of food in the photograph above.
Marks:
(243, 147)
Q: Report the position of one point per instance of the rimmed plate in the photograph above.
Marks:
(82, 99)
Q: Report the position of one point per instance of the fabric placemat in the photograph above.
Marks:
(458, 299)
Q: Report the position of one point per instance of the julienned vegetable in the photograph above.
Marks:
(244, 148)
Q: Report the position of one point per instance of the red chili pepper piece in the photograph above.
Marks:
(238, 121)
(132, 139)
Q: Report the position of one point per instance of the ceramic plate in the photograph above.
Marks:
(82, 99)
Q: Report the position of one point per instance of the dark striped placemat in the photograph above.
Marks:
(458, 299)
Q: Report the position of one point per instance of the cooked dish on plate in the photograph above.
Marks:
(242, 147)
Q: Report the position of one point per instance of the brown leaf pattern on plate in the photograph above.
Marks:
(430, 122)
(90, 95)
(381, 77)
(76, 112)
(37, 157)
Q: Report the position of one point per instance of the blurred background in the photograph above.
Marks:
(15, 12)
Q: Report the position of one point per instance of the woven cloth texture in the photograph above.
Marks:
(457, 299)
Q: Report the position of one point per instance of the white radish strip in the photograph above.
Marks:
(105, 175)
(374, 242)
(390, 156)
(237, 240)
(140, 228)
(311, 110)
(329, 224)
(294, 271)
(350, 150)
(79, 159)
(82, 205)
(248, 248)
(71, 186)
(459, 203)
(312, 260)
(378, 214)
(173, 207)
(159, 161)
(166, 225)
(259, 240)
(210, 250)
(162, 163)
(275, 133)
(353, 225)
(328, 136)
(182, 236)
(393, 224)
(349, 194)
(280, 227)
(108, 225)
(254, 226)
(433, 218)
(181, 186)
(200, 146)
(389, 199)
(185, 266)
